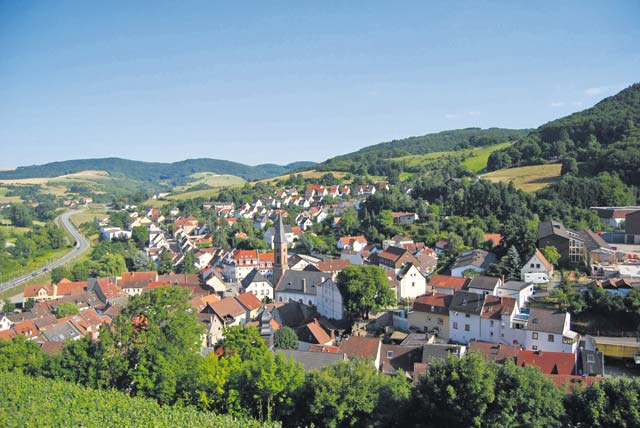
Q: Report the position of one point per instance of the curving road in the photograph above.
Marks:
(81, 246)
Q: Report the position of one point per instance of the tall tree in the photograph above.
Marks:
(286, 338)
(365, 289)
(512, 264)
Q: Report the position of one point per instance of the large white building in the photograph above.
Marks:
(315, 289)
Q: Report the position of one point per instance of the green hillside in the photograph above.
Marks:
(171, 173)
(445, 141)
(603, 138)
(39, 402)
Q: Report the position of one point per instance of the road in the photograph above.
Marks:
(81, 246)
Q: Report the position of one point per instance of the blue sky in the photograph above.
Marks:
(280, 81)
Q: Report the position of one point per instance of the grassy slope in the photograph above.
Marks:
(527, 178)
(476, 162)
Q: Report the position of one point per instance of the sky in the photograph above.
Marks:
(275, 81)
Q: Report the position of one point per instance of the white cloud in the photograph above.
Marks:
(451, 116)
(556, 104)
(595, 91)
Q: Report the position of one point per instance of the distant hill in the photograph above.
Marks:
(605, 137)
(172, 173)
(431, 143)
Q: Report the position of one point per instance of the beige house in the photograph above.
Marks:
(431, 314)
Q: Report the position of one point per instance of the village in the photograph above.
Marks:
(438, 313)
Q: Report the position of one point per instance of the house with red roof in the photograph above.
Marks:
(448, 284)
(430, 313)
(353, 243)
(238, 264)
(366, 348)
(549, 363)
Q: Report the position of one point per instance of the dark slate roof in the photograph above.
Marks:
(254, 276)
(482, 282)
(304, 282)
(550, 227)
(313, 360)
(434, 351)
(591, 363)
(467, 302)
(280, 236)
(546, 320)
(395, 357)
(479, 258)
(515, 285)
(592, 240)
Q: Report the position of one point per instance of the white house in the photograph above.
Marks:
(353, 243)
(109, 233)
(496, 318)
(464, 316)
(521, 291)
(537, 269)
(411, 282)
(485, 285)
(257, 284)
(550, 330)
(315, 289)
(5, 323)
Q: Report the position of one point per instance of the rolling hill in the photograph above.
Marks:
(175, 173)
(445, 141)
(605, 137)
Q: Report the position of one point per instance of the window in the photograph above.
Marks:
(467, 316)
(455, 325)
(492, 334)
(467, 327)
(389, 354)
(534, 335)
(591, 358)
(538, 265)
(534, 347)
(567, 341)
(413, 284)
(550, 338)
(491, 323)
(531, 265)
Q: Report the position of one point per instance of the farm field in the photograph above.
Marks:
(527, 178)
(210, 179)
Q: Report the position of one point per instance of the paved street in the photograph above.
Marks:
(81, 246)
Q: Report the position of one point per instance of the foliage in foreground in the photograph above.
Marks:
(38, 402)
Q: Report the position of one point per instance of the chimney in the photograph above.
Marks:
(502, 279)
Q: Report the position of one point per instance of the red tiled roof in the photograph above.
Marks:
(319, 334)
(26, 328)
(494, 306)
(360, 347)
(335, 265)
(557, 363)
(449, 282)
(438, 300)
(138, 277)
(32, 290)
(324, 348)
(227, 306)
(249, 301)
(494, 351)
(567, 381)
(66, 288)
(543, 259)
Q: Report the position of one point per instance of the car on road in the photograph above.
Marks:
(34, 274)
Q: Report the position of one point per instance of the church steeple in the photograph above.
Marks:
(280, 251)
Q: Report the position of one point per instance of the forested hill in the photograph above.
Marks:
(154, 171)
(430, 143)
(605, 137)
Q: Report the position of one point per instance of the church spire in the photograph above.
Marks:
(280, 263)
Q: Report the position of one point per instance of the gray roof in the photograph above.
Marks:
(478, 258)
(592, 240)
(550, 227)
(515, 285)
(61, 332)
(591, 363)
(280, 236)
(254, 276)
(482, 282)
(467, 302)
(303, 282)
(313, 360)
(434, 351)
(546, 320)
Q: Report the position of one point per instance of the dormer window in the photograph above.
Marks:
(389, 354)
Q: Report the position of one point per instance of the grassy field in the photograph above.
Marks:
(527, 178)
(210, 179)
(4, 199)
(88, 215)
(476, 161)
